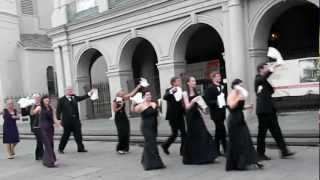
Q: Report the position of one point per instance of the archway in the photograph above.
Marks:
(139, 57)
(91, 72)
(201, 48)
(293, 28)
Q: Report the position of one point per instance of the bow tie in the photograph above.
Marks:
(69, 98)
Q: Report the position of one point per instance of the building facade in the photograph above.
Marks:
(159, 39)
(27, 60)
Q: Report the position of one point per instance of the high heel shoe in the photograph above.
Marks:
(259, 165)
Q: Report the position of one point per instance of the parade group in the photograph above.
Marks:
(185, 109)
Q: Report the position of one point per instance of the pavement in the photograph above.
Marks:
(304, 122)
(101, 163)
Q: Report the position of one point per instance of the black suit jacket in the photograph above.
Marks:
(210, 96)
(68, 111)
(174, 109)
(264, 99)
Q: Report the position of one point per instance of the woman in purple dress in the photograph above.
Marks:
(10, 130)
(46, 122)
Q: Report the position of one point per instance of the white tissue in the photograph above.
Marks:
(94, 95)
(275, 54)
(137, 98)
(25, 102)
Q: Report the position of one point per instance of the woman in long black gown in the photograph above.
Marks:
(46, 122)
(149, 112)
(199, 145)
(241, 153)
(121, 119)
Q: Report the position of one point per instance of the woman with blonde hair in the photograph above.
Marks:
(10, 129)
(121, 119)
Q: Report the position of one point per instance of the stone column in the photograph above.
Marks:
(59, 14)
(66, 54)
(167, 70)
(82, 81)
(59, 70)
(237, 55)
(119, 80)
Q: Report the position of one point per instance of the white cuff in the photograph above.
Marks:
(271, 69)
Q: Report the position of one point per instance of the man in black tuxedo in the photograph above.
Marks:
(67, 111)
(175, 115)
(266, 112)
(217, 111)
(34, 124)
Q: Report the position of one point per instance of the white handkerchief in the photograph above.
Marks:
(137, 98)
(94, 95)
(275, 54)
(25, 102)
(144, 82)
(119, 99)
(178, 94)
(243, 91)
(221, 100)
(259, 89)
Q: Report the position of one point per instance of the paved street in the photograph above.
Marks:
(103, 163)
(294, 122)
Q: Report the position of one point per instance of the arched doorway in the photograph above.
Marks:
(293, 28)
(91, 72)
(201, 48)
(139, 58)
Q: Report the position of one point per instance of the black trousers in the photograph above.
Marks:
(269, 121)
(218, 116)
(39, 147)
(76, 130)
(176, 126)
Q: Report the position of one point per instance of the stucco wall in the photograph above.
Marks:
(34, 70)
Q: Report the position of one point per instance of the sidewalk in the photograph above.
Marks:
(292, 123)
(102, 162)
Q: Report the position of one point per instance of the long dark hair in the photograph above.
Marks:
(235, 82)
(188, 89)
(42, 103)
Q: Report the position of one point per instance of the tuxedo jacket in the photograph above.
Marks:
(211, 95)
(264, 99)
(68, 110)
(174, 109)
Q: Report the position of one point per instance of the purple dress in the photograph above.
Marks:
(10, 130)
(47, 132)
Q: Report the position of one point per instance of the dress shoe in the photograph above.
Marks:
(83, 151)
(165, 150)
(287, 155)
(60, 151)
(263, 157)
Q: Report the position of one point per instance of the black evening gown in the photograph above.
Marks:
(123, 128)
(47, 132)
(150, 156)
(241, 152)
(199, 145)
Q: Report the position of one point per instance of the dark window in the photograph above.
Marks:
(51, 81)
